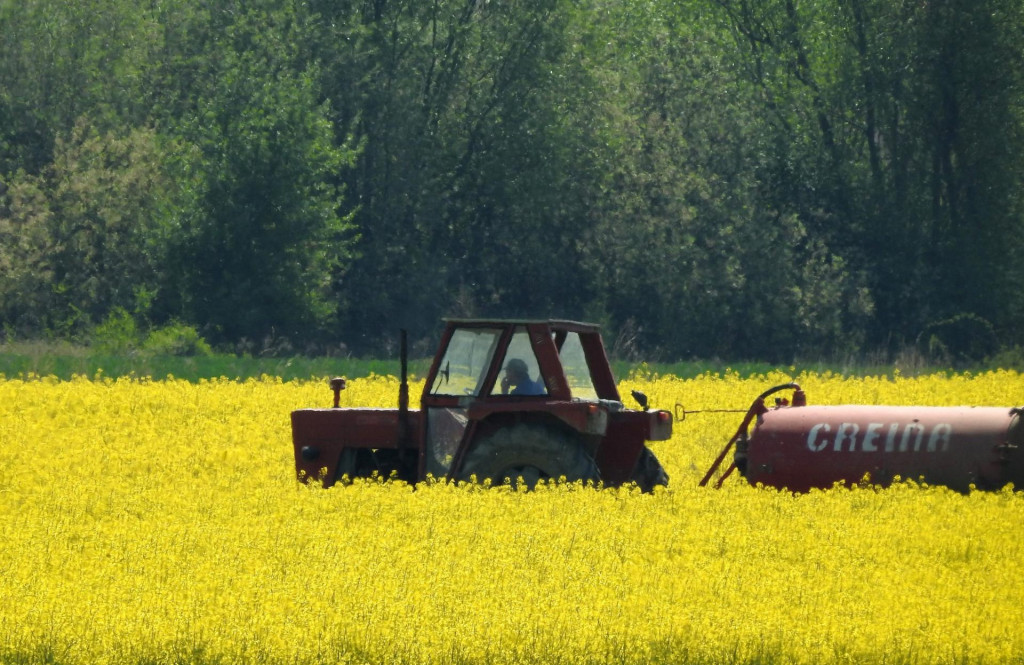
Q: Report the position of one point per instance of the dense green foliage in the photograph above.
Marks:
(729, 178)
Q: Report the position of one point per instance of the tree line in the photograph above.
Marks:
(733, 178)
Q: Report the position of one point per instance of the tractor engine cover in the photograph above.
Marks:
(804, 447)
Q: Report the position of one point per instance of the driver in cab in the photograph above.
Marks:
(517, 380)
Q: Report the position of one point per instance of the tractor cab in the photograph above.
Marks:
(493, 375)
(479, 360)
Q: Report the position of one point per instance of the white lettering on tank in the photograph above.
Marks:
(890, 439)
(912, 430)
(812, 437)
(868, 444)
(940, 434)
(846, 432)
(912, 437)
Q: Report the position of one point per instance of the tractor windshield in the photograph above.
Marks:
(465, 362)
(577, 372)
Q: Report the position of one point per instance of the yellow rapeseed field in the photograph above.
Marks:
(159, 522)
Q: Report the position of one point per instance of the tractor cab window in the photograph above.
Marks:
(520, 373)
(577, 372)
(465, 362)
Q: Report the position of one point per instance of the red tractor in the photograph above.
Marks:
(503, 400)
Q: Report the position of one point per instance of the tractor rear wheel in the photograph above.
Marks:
(531, 452)
(649, 471)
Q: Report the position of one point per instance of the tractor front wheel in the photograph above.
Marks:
(649, 472)
(531, 452)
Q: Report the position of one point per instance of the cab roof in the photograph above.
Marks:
(558, 324)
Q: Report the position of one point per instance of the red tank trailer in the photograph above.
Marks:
(799, 447)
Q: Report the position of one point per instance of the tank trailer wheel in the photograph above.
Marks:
(532, 452)
(648, 472)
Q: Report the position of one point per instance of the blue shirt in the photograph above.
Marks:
(529, 387)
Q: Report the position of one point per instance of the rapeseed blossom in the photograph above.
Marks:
(160, 522)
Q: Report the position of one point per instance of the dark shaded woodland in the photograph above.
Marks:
(706, 178)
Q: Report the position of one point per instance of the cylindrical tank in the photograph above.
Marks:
(801, 447)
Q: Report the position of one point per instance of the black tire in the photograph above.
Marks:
(648, 472)
(346, 465)
(533, 452)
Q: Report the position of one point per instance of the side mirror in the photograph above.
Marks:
(640, 398)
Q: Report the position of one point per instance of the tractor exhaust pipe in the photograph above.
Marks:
(403, 393)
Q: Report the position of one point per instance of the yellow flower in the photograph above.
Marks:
(160, 521)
